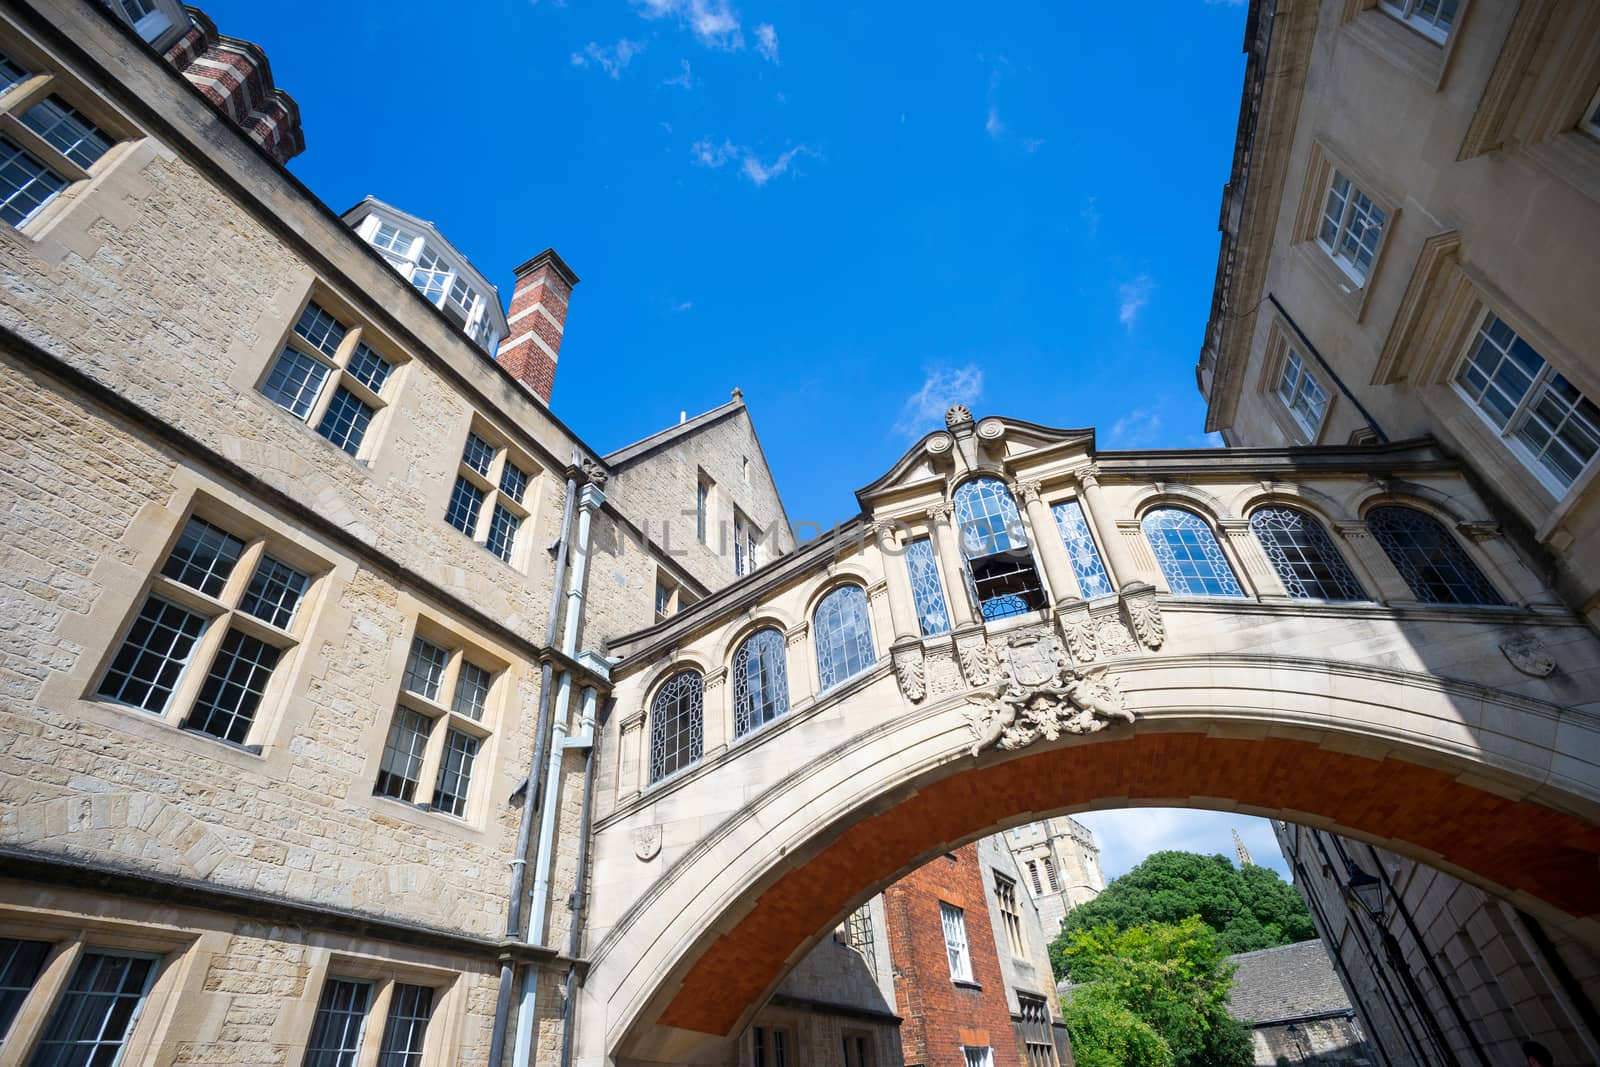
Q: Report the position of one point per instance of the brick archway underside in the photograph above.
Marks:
(1519, 845)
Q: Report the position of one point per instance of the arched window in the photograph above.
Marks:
(1428, 558)
(1189, 554)
(677, 724)
(1304, 556)
(842, 636)
(760, 681)
(999, 560)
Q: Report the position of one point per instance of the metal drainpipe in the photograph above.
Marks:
(589, 500)
(587, 740)
(530, 801)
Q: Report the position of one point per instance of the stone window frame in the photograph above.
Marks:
(1324, 164)
(1407, 47)
(859, 1048)
(358, 334)
(443, 1036)
(162, 23)
(705, 492)
(1005, 895)
(652, 715)
(444, 718)
(746, 540)
(46, 78)
(496, 496)
(68, 942)
(773, 1046)
(223, 613)
(1278, 348)
(667, 601)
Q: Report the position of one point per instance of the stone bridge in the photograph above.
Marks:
(1018, 625)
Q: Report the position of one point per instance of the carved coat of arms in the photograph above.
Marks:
(1041, 694)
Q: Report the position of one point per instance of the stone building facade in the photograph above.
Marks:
(1408, 232)
(1296, 1008)
(1060, 863)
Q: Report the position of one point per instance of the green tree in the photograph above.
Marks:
(1249, 909)
(1172, 978)
(1104, 1033)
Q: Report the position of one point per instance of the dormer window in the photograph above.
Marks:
(1000, 568)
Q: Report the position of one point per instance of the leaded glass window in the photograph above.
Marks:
(406, 1031)
(153, 655)
(1434, 566)
(472, 690)
(26, 183)
(760, 681)
(96, 1014)
(455, 772)
(203, 558)
(275, 592)
(677, 724)
(842, 635)
(486, 502)
(346, 420)
(11, 72)
(503, 526)
(927, 592)
(1188, 553)
(1081, 551)
(859, 930)
(401, 763)
(425, 666)
(466, 500)
(341, 1017)
(478, 454)
(1301, 394)
(295, 382)
(20, 965)
(999, 560)
(68, 130)
(234, 687)
(1305, 558)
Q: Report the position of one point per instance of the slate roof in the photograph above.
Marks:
(1288, 982)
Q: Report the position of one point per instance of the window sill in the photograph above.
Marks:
(1346, 291)
(1572, 156)
(963, 983)
(1408, 49)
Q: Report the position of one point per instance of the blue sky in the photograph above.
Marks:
(857, 213)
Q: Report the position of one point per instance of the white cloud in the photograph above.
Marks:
(1137, 429)
(1128, 835)
(767, 41)
(714, 22)
(762, 173)
(992, 124)
(684, 79)
(685, 306)
(1091, 216)
(1132, 297)
(613, 59)
(707, 153)
(924, 409)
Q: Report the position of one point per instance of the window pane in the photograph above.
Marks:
(472, 690)
(320, 329)
(26, 184)
(401, 764)
(430, 280)
(20, 964)
(203, 558)
(479, 454)
(93, 1018)
(275, 592)
(465, 501)
(927, 592)
(1436, 569)
(1562, 429)
(425, 668)
(954, 922)
(405, 1031)
(1086, 563)
(677, 724)
(233, 688)
(11, 72)
(513, 481)
(842, 636)
(1189, 555)
(369, 368)
(1304, 556)
(393, 239)
(346, 421)
(760, 681)
(295, 382)
(336, 1032)
(152, 657)
(987, 518)
(68, 130)
(455, 773)
(503, 526)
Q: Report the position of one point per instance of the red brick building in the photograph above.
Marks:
(949, 986)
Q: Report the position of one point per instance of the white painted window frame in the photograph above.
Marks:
(953, 921)
(1292, 360)
(1349, 266)
(1405, 12)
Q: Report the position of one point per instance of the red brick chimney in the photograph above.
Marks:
(538, 318)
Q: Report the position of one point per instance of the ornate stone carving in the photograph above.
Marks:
(939, 444)
(942, 674)
(1027, 492)
(647, 842)
(941, 511)
(1144, 614)
(1480, 531)
(957, 415)
(909, 672)
(978, 661)
(1089, 476)
(797, 635)
(1041, 694)
(1113, 638)
(1529, 655)
(1080, 640)
(715, 678)
(991, 429)
(594, 474)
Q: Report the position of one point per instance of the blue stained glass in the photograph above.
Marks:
(1304, 556)
(1436, 569)
(677, 724)
(760, 681)
(1092, 579)
(987, 517)
(933, 617)
(1189, 554)
(842, 635)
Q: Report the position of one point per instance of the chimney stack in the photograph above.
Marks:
(538, 318)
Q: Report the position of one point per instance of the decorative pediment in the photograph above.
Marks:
(968, 446)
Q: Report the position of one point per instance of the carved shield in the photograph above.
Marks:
(1033, 659)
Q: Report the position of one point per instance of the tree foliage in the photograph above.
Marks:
(1169, 980)
(1249, 909)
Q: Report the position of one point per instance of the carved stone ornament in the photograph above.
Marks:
(1080, 641)
(647, 842)
(1145, 615)
(939, 444)
(978, 660)
(957, 415)
(1113, 638)
(1041, 695)
(991, 429)
(909, 671)
(595, 474)
(1529, 655)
